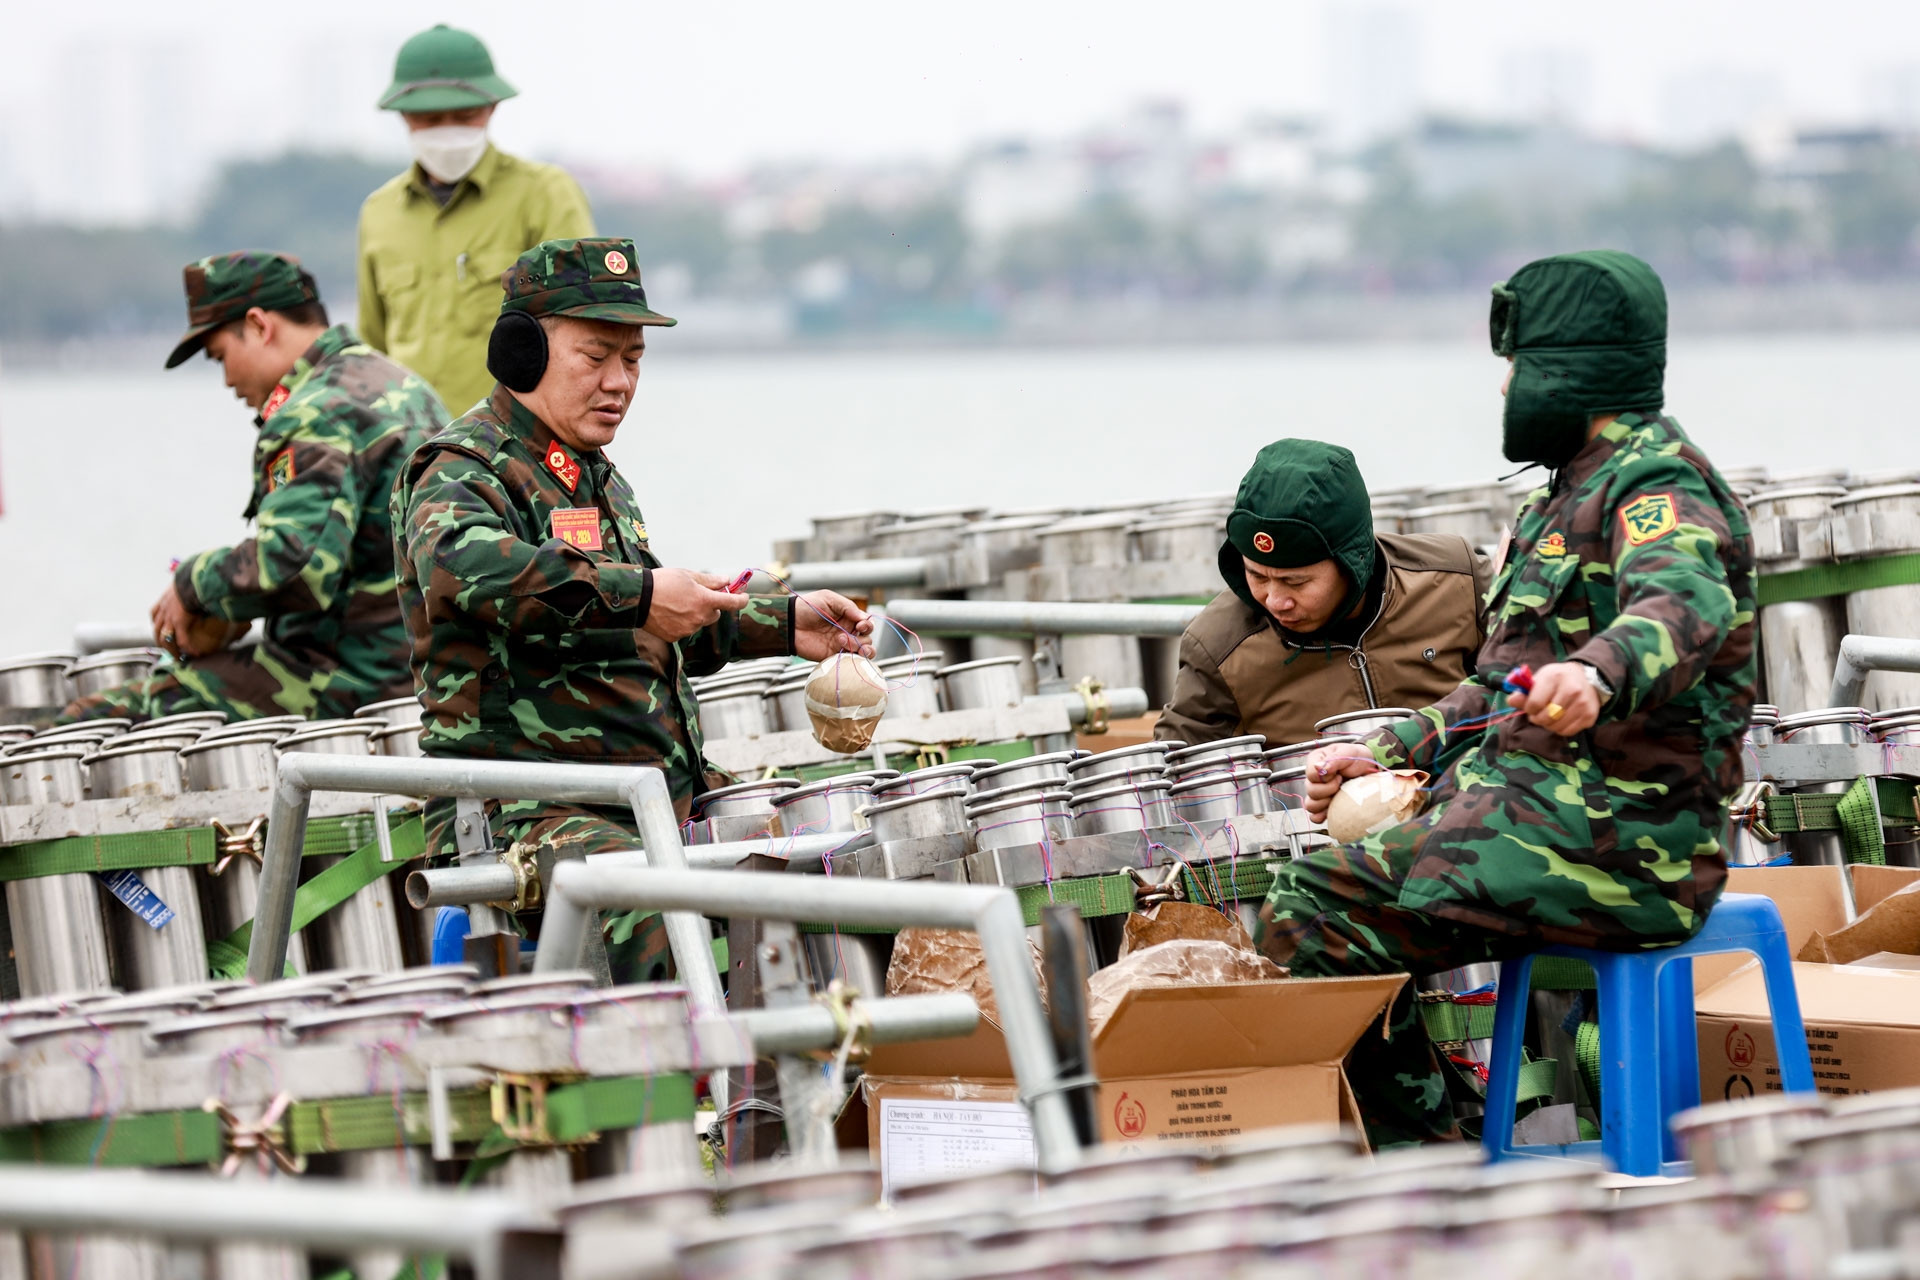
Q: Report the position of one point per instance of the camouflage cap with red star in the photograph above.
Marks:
(595, 279)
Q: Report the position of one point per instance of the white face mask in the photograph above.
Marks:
(448, 152)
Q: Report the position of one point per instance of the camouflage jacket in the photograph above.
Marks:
(319, 567)
(1639, 561)
(525, 617)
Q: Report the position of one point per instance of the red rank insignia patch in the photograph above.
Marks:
(274, 401)
(563, 466)
(577, 527)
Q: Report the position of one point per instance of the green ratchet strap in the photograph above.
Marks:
(143, 1141)
(1586, 1054)
(1839, 579)
(228, 956)
(183, 847)
(571, 1113)
(1860, 829)
(1819, 811)
(1561, 973)
(1450, 1023)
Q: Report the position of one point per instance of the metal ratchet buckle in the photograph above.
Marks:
(1098, 704)
(1149, 893)
(250, 841)
(520, 1107)
(1749, 808)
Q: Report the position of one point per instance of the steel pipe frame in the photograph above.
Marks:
(1860, 655)
(495, 882)
(504, 1238)
(803, 1028)
(903, 571)
(1040, 617)
(581, 889)
(642, 788)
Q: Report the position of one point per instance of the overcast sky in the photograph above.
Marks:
(710, 86)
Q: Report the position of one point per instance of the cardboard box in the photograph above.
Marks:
(1173, 1062)
(1858, 983)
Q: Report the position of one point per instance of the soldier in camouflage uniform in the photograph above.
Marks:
(1589, 811)
(543, 626)
(335, 419)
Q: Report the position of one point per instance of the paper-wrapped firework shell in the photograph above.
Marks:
(846, 696)
(1373, 802)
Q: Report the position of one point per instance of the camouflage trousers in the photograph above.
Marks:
(246, 684)
(1336, 912)
(636, 940)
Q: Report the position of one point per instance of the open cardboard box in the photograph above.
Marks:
(1173, 1062)
(1858, 985)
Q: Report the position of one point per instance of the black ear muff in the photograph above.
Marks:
(517, 351)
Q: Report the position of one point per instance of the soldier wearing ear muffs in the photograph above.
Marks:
(542, 626)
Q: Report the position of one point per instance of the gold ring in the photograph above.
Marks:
(1555, 711)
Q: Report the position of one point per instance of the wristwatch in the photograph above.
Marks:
(1598, 681)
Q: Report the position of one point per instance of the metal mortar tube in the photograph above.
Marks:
(59, 935)
(363, 932)
(541, 1176)
(168, 956)
(13, 1257)
(580, 890)
(383, 1167)
(235, 895)
(257, 1259)
(97, 1258)
(667, 1152)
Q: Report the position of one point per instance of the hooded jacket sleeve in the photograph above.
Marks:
(1203, 707)
(1667, 537)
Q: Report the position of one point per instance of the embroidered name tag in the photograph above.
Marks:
(577, 526)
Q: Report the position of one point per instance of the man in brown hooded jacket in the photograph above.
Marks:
(1322, 614)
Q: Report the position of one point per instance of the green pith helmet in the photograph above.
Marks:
(444, 69)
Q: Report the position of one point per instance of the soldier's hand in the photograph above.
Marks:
(685, 601)
(1562, 701)
(826, 623)
(171, 622)
(1330, 766)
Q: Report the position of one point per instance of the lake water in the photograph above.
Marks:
(108, 474)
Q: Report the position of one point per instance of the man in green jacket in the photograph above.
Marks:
(435, 240)
(1588, 809)
(335, 419)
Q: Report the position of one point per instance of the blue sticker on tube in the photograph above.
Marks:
(142, 901)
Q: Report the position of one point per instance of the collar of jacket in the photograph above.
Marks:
(1594, 454)
(528, 427)
(480, 178)
(330, 343)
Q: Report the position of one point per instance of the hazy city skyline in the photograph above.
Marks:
(116, 119)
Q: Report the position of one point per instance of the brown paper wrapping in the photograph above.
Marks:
(1182, 962)
(1171, 921)
(846, 697)
(1373, 802)
(929, 961)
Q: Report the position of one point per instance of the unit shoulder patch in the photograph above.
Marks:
(1553, 545)
(280, 470)
(1647, 517)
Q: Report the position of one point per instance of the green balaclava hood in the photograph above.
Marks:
(1302, 502)
(1587, 333)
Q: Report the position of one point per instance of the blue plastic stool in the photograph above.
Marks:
(1649, 1047)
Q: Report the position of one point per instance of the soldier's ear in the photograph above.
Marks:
(258, 325)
